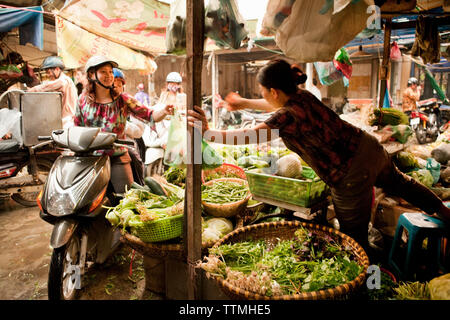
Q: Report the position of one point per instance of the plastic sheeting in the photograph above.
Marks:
(30, 24)
(76, 46)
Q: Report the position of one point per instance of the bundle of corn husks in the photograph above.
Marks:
(387, 116)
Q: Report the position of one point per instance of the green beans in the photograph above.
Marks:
(224, 192)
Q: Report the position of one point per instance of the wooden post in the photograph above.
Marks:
(384, 70)
(215, 89)
(192, 217)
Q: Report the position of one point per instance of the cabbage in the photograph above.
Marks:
(289, 166)
(222, 225)
(210, 235)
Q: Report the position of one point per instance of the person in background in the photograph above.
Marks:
(173, 91)
(411, 96)
(156, 140)
(346, 158)
(142, 96)
(101, 106)
(133, 130)
(58, 81)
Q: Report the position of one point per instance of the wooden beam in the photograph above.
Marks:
(192, 217)
(384, 70)
(215, 89)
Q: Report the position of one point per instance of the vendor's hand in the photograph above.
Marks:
(234, 101)
(169, 109)
(195, 117)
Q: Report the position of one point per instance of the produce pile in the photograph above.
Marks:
(309, 262)
(141, 204)
(388, 116)
(213, 229)
(221, 192)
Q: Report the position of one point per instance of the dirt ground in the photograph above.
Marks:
(25, 256)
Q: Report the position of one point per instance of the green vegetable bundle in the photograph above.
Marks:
(424, 176)
(224, 192)
(140, 205)
(388, 116)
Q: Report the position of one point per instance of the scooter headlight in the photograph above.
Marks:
(60, 204)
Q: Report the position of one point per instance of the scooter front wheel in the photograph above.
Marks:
(64, 277)
(421, 134)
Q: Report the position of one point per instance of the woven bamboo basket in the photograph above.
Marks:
(224, 170)
(226, 210)
(284, 230)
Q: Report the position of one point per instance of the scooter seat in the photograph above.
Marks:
(8, 146)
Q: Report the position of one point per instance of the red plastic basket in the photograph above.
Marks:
(226, 170)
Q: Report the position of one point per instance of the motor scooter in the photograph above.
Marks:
(428, 121)
(73, 199)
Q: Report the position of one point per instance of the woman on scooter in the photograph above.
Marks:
(345, 157)
(101, 106)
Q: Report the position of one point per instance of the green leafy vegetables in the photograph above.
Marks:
(140, 205)
(309, 262)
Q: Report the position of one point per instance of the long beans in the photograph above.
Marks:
(224, 192)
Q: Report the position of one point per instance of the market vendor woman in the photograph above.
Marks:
(348, 159)
(101, 106)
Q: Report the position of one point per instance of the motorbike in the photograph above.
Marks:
(73, 200)
(23, 172)
(24, 162)
(428, 121)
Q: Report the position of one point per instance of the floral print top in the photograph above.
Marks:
(111, 117)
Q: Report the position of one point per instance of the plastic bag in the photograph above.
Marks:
(328, 73)
(306, 35)
(435, 169)
(176, 153)
(396, 54)
(224, 24)
(176, 28)
(176, 149)
(10, 71)
(401, 132)
(343, 63)
(10, 123)
(276, 12)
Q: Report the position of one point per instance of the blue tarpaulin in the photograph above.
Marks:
(30, 24)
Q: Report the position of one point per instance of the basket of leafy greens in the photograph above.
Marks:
(286, 260)
(150, 217)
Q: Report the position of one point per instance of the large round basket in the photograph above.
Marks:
(226, 210)
(284, 230)
(226, 170)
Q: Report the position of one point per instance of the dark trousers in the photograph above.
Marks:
(372, 166)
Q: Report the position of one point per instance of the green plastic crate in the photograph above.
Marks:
(298, 192)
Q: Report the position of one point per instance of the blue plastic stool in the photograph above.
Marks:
(419, 227)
